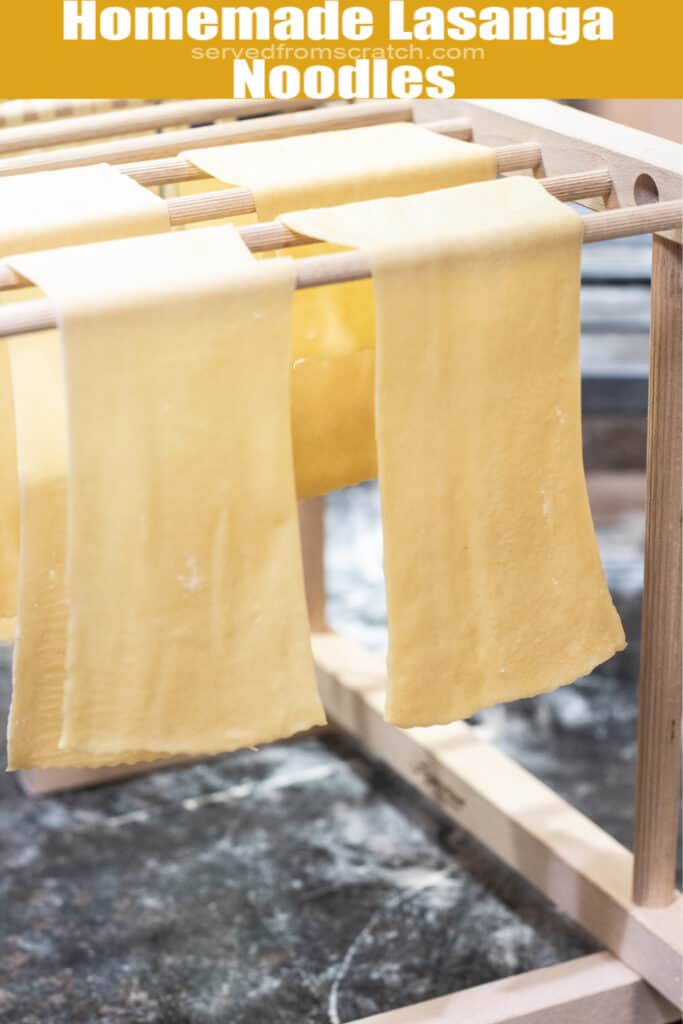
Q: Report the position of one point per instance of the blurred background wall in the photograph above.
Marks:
(662, 117)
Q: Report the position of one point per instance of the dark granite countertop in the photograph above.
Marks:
(299, 883)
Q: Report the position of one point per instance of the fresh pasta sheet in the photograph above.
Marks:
(42, 211)
(495, 589)
(50, 209)
(186, 628)
(36, 714)
(333, 357)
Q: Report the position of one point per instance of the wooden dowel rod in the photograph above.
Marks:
(141, 119)
(597, 227)
(339, 268)
(171, 170)
(633, 220)
(263, 237)
(23, 112)
(661, 653)
(234, 202)
(174, 170)
(518, 157)
(582, 185)
(150, 147)
(27, 317)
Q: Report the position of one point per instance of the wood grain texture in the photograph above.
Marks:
(591, 990)
(659, 724)
(586, 872)
(572, 140)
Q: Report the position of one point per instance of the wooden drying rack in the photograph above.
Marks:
(627, 902)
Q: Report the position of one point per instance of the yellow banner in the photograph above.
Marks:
(399, 49)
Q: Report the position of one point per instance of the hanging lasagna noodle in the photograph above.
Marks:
(495, 589)
(186, 625)
(41, 211)
(36, 714)
(333, 357)
(9, 504)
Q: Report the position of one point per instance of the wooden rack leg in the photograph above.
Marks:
(312, 521)
(659, 728)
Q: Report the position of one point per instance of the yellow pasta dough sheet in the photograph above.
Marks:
(79, 204)
(8, 627)
(41, 211)
(326, 168)
(187, 623)
(35, 723)
(333, 337)
(9, 502)
(495, 589)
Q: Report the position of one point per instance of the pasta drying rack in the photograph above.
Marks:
(633, 184)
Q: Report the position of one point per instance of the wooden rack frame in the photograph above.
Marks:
(297, 119)
(627, 902)
(312, 272)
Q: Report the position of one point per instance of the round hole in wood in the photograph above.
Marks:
(645, 190)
